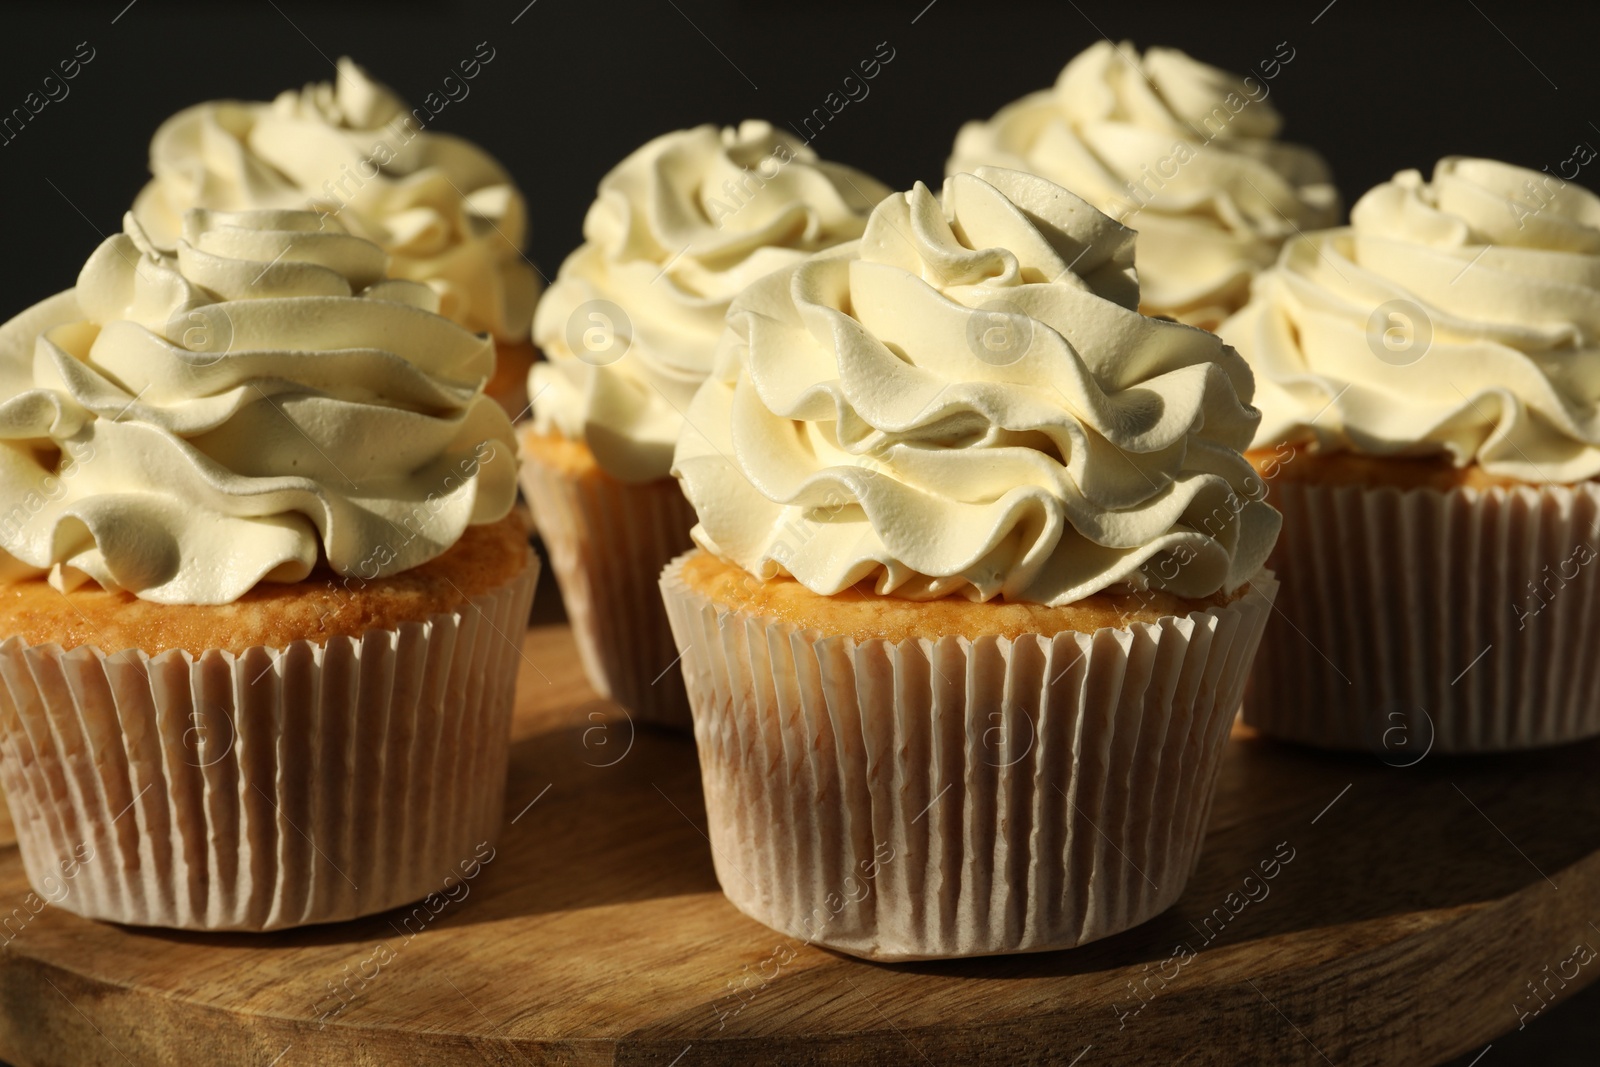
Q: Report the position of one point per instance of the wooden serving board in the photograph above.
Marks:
(1417, 906)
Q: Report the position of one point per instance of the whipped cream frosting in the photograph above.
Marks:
(967, 402)
(679, 227)
(183, 425)
(1457, 317)
(446, 212)
(1182, 152)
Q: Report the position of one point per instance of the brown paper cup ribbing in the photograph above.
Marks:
(1460, 621)
(608, 542)
(951, 797)
(269, 789)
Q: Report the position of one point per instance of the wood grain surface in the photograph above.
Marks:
(1421, 910)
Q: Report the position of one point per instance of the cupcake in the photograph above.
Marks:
(1428, 386)
(629, 327)
(446, 212)
(1184, 153)
(978, 582)
(260, 586)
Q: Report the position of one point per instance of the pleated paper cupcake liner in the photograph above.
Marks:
(948, 797)
(269, 789)
(608, 542)
(1417, 620)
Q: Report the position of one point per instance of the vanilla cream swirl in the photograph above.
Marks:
(966, 402)
(185, 425)
(1182, 152)
(679, 227)
(444, 210)
(1458, 318)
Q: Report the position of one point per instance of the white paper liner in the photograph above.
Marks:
(269, 789)
(608, 541)
(1030, 794)
(1400, 620)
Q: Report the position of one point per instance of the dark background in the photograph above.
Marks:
(576, 84)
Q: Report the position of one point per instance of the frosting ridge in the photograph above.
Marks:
(967, 402)
(1181, 151)
(185, 424)
(679, 227)
(1457, 317)
(446, 212)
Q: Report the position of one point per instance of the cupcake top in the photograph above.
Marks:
(679, 227)
(1182, 152)
(967, 402)
(186, 424)
(1457, 318)
(443, 209)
